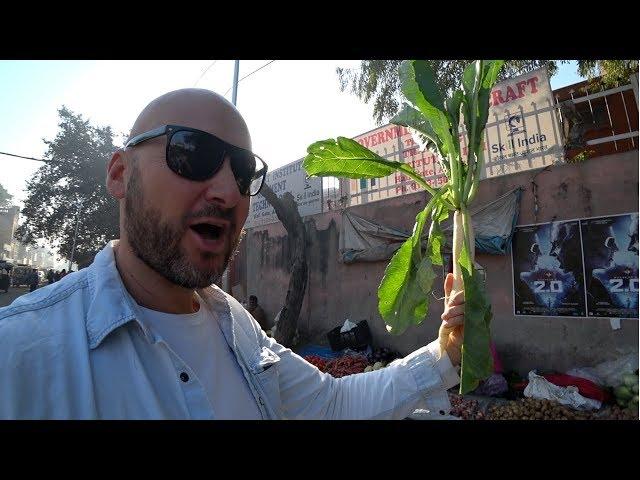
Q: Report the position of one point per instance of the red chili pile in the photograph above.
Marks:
(339, 367)
(319, 362)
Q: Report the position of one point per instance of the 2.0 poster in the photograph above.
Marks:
(547, 270)
(610, 246)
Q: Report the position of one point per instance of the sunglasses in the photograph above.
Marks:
(197, 155)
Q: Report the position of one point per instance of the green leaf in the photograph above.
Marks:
(418, 228)
(417, 82)
(347, 158)
(453, 107)
(490, 75)
(477, 362)
(403, 292)
(478, 84)
(400, 299)
(436, 235)
(411, 118)
(471, 79)
(425, 276)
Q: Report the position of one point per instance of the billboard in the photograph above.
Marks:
(522, 130)
(522, 133)
(292, 178)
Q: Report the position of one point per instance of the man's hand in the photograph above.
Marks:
(452, 329)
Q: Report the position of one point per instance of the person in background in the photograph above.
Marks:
(257, 312)
(50, 277)
(5, 280)
(63, 273)
(33, 280)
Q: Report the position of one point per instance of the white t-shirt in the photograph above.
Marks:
(199, 341)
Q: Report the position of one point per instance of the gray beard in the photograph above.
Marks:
(157, 243)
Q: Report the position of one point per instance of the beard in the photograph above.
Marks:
(157, 243)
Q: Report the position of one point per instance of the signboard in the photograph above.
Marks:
(584, 268)
(522, 133)
(611, 265)
(547, 270)
(292, 178)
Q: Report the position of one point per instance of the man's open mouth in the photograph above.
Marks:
(208, 231)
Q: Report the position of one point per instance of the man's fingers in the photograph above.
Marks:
(452, 312)
(454, 321)
(457, 299)
(448, 284)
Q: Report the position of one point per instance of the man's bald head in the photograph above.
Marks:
(183, 229)
(195, 108)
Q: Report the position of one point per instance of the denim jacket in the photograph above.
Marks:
(76, 349)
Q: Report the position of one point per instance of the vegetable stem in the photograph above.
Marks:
(418, 179)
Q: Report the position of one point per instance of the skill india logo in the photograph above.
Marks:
(515, 126)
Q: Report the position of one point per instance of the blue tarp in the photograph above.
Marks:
(364, 240)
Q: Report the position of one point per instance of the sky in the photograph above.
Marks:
(287, 105)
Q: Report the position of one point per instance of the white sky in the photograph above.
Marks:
(287, 105)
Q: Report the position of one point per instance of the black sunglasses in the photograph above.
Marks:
(198, 155)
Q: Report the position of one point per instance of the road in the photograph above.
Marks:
(14, 292)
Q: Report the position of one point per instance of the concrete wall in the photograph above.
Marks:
(602, 186)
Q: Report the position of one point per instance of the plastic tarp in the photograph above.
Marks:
(363, 240)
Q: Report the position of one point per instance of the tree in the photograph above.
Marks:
(608, 73)
(5, 197)
(73, 176)
(378, 79)
(287, 212)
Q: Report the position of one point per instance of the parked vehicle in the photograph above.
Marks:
(20, 275)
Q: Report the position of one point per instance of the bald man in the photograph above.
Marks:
(143, 333)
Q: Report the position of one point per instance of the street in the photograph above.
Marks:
(14, 292)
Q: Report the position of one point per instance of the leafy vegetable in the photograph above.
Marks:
(404, 292)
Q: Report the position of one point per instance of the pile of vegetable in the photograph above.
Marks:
(340, 367)
(536, 409)
(465, 409)
(627, 393)
(384, 355)
(316, 360)
(347, 365)
(616, 413)
(375, 366)
(434, 119)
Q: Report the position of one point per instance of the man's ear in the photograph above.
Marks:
(115, 175)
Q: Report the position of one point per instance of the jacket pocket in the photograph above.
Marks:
(266, 373)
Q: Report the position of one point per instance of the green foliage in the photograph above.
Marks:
(5, 197)
(377, 81)
(79, 155)
(404, 292)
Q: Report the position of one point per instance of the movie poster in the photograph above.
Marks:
(547, 270)
(610, 249)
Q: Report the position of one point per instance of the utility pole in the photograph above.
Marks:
(234, 94)
(226, 282)
(75, 234)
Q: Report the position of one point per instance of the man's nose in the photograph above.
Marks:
(223, 188)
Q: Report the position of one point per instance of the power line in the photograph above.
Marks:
(205, 71)
(248, 75)
(29, 158)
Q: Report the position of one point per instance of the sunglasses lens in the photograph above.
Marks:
(195, 156)
(199, 156)
(249, 172)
